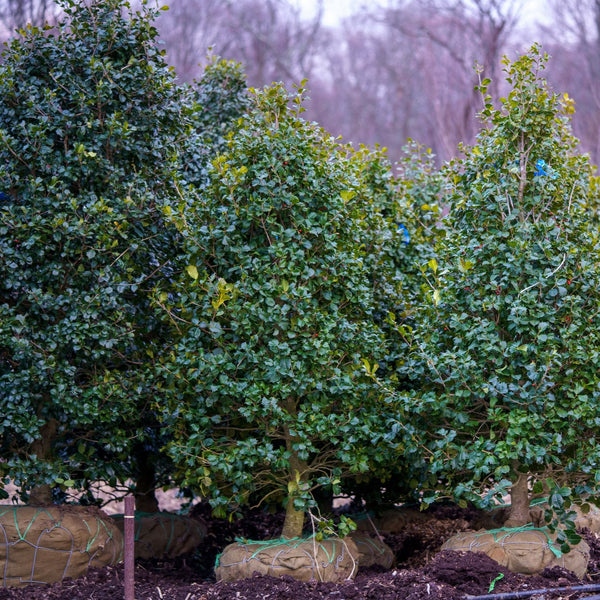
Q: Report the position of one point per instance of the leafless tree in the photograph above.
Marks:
(273, 41)
(366, 89)
(190, 29)
(406, 69)
(15, 14)
(575, 64)
(269, 37)
(449, 38)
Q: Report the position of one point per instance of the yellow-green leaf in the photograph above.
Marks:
(465, 265)
(432, 264)
(192, 271)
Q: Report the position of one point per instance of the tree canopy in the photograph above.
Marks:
(90, 123)
(506, 341)
(267, 384)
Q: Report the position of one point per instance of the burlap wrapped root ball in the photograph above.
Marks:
(393, 520)
(372, 550)
(164, 535)
(49, 544)
(527, 550)
(589, 520)
(396, 520)
(332, 559)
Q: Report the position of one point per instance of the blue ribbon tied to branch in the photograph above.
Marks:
(542, 170)
(402, 228)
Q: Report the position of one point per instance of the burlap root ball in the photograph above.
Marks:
(372, 550)
(495, 518)
(331, 559)
(393, 520)
(589, 520)
(365, 523)
(396, 520)
(527, 550)
(49, 544)
(164, 535)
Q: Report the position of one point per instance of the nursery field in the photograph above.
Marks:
(200, 289)
(421, 571)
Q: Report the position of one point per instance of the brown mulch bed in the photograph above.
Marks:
(422, 572)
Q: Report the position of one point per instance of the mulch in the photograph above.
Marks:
(422, 572)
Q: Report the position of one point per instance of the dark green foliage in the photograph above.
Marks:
(399, 236)
(216, 104)
(506, 343)
(90, 123)
(276, 311)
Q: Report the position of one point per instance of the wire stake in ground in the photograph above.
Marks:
(129, 554)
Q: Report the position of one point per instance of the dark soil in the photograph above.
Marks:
(422, 572)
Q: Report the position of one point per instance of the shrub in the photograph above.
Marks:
(268, 393)
(506, 343)
(90, 125)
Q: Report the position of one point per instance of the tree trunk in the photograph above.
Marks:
(298, 471)
(519, 500)
(41, 495)
(294, 520)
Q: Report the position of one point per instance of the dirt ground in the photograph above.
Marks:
(421, 571)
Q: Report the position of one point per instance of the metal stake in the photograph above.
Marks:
(129, 556)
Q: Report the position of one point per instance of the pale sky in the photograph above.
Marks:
(335, 10)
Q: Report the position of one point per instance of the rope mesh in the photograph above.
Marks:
(164, 534)
(528, 549)
(45, 545)
(330, 559)
(372, 550)
(503, 533)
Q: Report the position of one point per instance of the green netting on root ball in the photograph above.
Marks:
(305, 559)
(526, 550)
(48, 544)
(163, 534)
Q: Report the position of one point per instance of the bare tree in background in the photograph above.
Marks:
(449, 37)
(15, 14)
(575, 64)
(190, 28)
(368, 89)
(269, 37)
(273, 41)
(406, 69)
(395, 69)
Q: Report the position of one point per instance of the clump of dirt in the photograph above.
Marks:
(593, 540)
(470, 572)
(418, 542)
